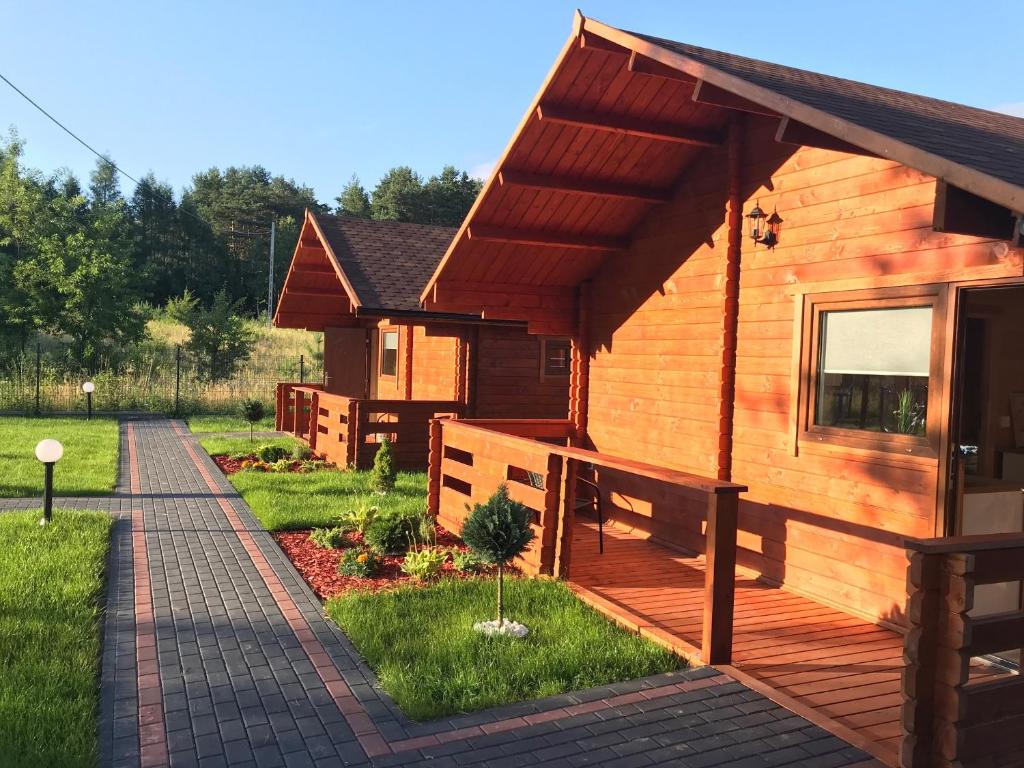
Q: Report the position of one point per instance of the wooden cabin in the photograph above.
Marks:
(390, 366)
(795, 305)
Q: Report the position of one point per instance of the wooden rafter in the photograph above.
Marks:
(706, 93)
(547, 239)
(794, 132)
(579, 186)
(630, 126)
(598, 43)
(642, 65)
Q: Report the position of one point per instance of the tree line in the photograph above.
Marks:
(88, 263)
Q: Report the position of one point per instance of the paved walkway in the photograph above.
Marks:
(216, 653)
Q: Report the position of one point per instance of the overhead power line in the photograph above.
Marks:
(107, 160)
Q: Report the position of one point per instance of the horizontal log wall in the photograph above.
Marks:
(508, 380)
(829, 523)
(435, 362)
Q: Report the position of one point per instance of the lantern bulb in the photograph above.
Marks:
(49, 451)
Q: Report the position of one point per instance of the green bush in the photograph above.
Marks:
(384, 472)
(466, 561)
(271, 453)
(252, 411)
(425, 563)
(389, 533)
(302, 452)
(328, 538)
(359, 519)
(360, 563)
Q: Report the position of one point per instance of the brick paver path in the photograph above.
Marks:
(216, 653)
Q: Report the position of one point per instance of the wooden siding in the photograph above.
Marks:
(508, 381)
(435, 362)
(827, 522)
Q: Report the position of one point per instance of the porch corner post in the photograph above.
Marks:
(314, 418)
(279, 407)
(720, 578)
(549, 521)
(435, 455)
(579, 383)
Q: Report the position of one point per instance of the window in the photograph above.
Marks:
(556, 357)
(389, 353)
(871, 368)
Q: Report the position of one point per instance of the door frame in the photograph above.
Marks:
(947, 487)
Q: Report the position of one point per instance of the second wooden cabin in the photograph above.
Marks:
(390, 366)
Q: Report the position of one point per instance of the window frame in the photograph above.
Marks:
(380, 352)
(811, 434)
(544, 341)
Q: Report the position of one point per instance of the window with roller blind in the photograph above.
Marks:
(871, 363)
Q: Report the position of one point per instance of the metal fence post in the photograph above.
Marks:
(302, 369)
(177, 382)
(39, 371)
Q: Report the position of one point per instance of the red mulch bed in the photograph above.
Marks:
(229, 466)
(319, 566)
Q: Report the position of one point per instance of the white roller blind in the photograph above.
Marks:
(390, 340)
(879, 342)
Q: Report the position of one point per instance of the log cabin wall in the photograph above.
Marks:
(823, 521)
(435, 361)
(508, 378)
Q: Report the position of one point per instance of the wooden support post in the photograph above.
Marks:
(358, 434)
(281, 408)
(550, 514)
(300, 413)
(435, 456)
(351, 417)
(408, 364)
(730, 309)
(719, 579)
(579, 382)
(566, 520)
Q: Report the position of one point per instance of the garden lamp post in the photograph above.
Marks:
(88, 387)
(48, 452)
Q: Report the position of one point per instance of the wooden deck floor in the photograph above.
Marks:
(840, 672)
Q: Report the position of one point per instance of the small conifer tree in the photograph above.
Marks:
(252, 411)
(496, 532)
(384, 472)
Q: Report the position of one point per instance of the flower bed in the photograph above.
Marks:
(319, 566)
(229, 465)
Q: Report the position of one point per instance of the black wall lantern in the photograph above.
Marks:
(764, 229)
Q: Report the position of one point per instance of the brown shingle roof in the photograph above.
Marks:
(987, 142)
(387, 263)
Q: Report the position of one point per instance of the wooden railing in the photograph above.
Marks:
(470, 459)
(348, 430)
(956, 710)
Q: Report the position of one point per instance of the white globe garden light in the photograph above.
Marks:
(88, 387)
(48, 452)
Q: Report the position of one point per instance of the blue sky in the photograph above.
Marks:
(320, 90)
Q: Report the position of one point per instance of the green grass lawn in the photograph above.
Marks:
(89, 466)
(291, 501)
(421, 643)
(51, 584)
(201, 424)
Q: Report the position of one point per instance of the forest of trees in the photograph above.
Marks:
(86, 263)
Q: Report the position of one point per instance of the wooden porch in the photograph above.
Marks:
(837, 671)
(348, 430)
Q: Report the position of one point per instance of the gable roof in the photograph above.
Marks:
(386, 263)
(619, 119)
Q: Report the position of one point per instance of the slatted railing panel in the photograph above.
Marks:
(406, 423)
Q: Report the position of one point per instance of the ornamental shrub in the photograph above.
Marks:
(466, 561)
(302, 452)
(496, 532)
(271, 453)
(252, 411)
(358, 519)
(328, 538)
(384, 473)
(425, 563)
(360, 563)
(389, 533)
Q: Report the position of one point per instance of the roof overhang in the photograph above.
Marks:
(608, 136)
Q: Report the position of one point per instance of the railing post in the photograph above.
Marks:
(314, 418)
(720, 578)
(301, 420)
(566, 519)
(435, 454)
(352, 455)
(550, 513)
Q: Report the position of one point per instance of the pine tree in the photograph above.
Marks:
(354, 199)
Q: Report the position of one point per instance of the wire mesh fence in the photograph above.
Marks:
(168, 381)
